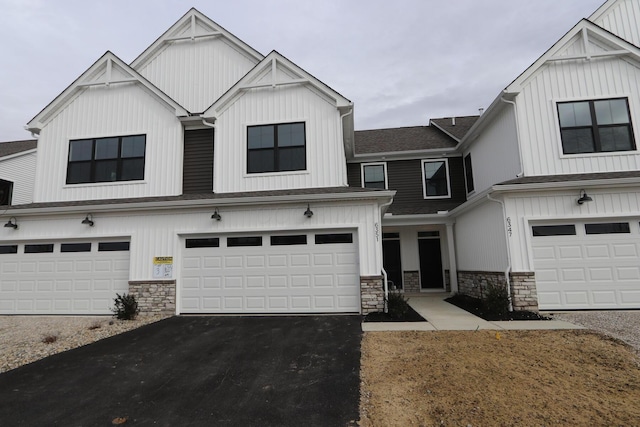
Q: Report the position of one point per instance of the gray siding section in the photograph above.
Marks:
(405, 176)
(197, 175)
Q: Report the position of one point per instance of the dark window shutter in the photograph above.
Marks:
(197, 175)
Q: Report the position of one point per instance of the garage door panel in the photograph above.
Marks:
(591, 270)
(64, 267)
(292, 278)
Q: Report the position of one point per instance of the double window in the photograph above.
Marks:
(435, 179)
(276, 148)
(374, 175)
(595, 126)
(119, 158)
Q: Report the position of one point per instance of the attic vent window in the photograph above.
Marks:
(119, 158)
(595, 126)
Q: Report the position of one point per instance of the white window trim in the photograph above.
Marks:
(464, 166)
(556, 122)
(384, 164)
(424, 187)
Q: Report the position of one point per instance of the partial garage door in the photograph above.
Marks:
(271, 273)
(587, 265)
(62, 277)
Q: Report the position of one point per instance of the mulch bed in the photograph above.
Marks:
(410, 316)
(476, 307)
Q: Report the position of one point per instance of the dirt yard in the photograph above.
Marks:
(515, 378)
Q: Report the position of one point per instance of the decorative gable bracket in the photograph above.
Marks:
(589, 53)
(193, 36)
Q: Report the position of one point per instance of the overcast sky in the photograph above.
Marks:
(401, 62)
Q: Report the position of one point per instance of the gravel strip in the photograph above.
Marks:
(623, 325)
(22, 338)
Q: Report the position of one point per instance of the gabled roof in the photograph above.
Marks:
(106, 71)
(273, 71)
(396, 140)
(14, 147)
(602, 10)
(612, 45)
(455, 127)
(191, 26)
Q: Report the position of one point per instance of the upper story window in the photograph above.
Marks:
(435, 179)
(119, 158)
(468, 173)
(276, 148)
(374, 175)
(6, 188)
(595, 126)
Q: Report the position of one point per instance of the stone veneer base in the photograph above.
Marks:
(523, 287)
(154, 296)
(371, 294)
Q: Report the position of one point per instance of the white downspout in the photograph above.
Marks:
(384, 272)
(506, 237)
(515, 113)
(353, 143)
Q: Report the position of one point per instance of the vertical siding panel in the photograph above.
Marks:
(111, 111)
(622, 20)
(21, 171)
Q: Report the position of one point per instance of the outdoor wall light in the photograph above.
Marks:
(12, 223)
(308, 213)
(216, 215)
(88, 220)
(584, 197)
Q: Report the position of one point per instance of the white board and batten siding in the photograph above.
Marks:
(117, 110)
(573, 80)
(621, 19)
(305, 277)
(196, 73)
(285, 104)
(21, 170)
(487, 250)
(497, 145)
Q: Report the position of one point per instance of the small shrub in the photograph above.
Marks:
(397, 305)
(126, 307)
(496, 300)
(50, 339)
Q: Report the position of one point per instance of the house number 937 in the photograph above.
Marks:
(509, 230)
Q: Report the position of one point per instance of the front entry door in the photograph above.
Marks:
(391, 260)
(430, 263)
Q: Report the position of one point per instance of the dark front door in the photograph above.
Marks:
(430, 264)
(391, 261)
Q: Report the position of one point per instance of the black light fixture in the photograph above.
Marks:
(12, 223)
(308, 213)
(88, 220)
(216, 215)
(584, 197)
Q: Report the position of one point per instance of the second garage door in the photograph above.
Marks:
(587, 265)
(271, 273)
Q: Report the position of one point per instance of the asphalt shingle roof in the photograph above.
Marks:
(200, 196)
(401, 139)
(13, 147)
(571, 177)
(460, 129)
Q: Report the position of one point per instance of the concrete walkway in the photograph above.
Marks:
(442, 316)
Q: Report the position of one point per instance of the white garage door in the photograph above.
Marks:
(271, 273)
(62, 277)
(587, 265)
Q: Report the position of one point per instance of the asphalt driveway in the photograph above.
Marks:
(197, 371)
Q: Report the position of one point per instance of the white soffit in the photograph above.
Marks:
(192, 26)
(106, 71)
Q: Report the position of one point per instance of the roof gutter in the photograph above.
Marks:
(176, 204)
(537, 186)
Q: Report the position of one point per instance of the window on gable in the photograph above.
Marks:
(435, 178)
(276, 148)
(374, 175)
(468, 173)
(119, 158)
(6, 188)
(595, 126)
